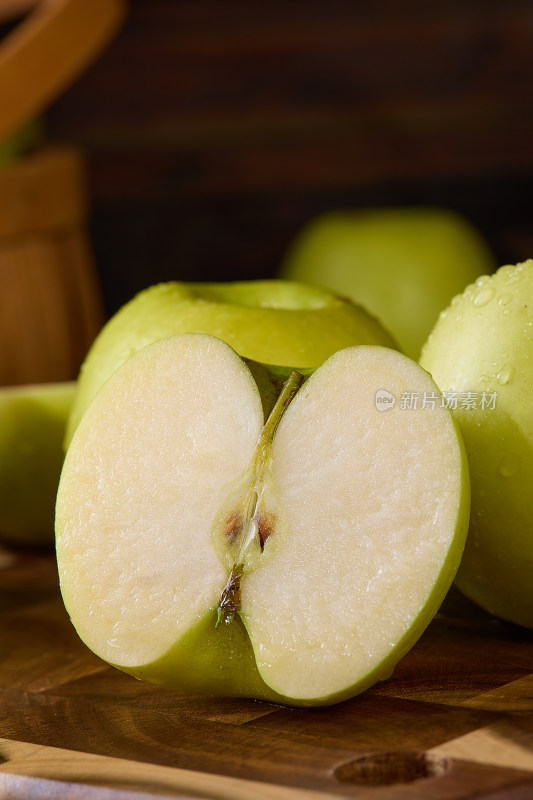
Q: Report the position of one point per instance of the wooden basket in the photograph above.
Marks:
(50, 302)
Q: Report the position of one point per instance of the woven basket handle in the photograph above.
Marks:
(45, 52)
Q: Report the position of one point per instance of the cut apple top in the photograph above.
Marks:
(334, 531)
(271, 321)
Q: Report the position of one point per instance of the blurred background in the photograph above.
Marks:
(211, 131)
(214, 130)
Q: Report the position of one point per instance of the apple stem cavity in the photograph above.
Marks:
(245, 524)
(230, 599)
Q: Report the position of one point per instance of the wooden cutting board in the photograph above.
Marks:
(455, 720)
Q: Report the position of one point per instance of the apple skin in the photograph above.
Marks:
(484, 343)
(32, 426)
(403, 264)
(270, 321)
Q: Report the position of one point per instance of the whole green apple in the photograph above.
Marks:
(270, 321)
(481, 352)
(291, 550)
(403, 264)
(32, 427)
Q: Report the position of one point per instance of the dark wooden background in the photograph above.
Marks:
(215, 128)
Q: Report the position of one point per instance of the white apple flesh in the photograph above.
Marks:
(295, 560)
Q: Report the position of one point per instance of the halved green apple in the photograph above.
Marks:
(293, 559)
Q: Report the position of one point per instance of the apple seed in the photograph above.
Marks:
(265, 527)
(233, 526)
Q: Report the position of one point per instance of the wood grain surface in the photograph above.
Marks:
(455, 720)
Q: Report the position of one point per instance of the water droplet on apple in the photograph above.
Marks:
(505, 299)
(474, 538)
(514, 276)
(482, 280)
(483, 297)
(506, 272)
(505, 374)
(128, 353)
(509, 465)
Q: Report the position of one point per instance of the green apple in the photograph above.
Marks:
(290, 549)
(482, 350)
(32, 426)
(276, 322)
(403, 264)
(21, 141)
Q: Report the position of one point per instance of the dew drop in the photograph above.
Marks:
(128, 353)
(509, 465)
(513, 277)
(505, 374)
(482, 280)
(506, 272)
(505, 299)
(483, 297)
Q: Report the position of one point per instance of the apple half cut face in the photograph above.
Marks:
(295, 559)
